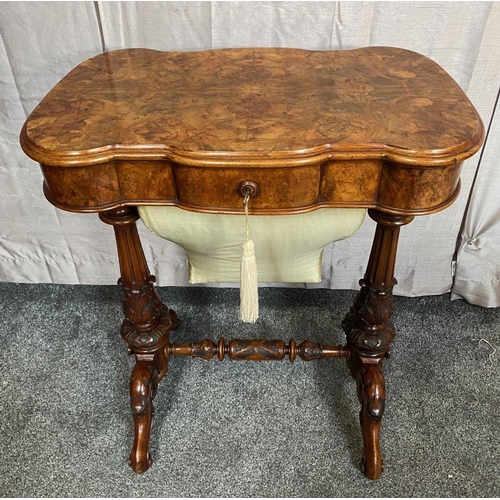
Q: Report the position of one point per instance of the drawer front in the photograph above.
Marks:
(220, 188)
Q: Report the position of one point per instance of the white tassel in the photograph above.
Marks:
(249, 297)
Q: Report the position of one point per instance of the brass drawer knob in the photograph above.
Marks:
(248, 188)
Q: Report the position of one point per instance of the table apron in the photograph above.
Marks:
(386, 186)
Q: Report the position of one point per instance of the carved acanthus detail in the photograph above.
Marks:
(143, 385)
(145, 339)
(141, 305)
(370, 382)
(367, 325)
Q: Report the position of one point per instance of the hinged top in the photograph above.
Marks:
(218, 107)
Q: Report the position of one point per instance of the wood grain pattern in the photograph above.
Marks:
(249, 100)
(341, 128)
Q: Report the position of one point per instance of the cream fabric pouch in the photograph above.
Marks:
(288, 248)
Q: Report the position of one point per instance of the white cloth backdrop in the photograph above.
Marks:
(42, 41)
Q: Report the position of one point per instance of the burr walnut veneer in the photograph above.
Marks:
(379, 128)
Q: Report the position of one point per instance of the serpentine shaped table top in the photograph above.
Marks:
(254, 103)
(378, 127)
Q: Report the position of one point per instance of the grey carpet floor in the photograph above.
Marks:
(242, 428)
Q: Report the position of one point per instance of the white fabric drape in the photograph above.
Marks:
(41, 41)
(478, 257)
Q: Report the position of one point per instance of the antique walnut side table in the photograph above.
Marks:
(379, 128)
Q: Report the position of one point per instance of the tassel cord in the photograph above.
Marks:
(245, 204)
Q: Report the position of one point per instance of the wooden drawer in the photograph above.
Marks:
(219, 188)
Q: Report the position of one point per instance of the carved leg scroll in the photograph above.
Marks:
(146, 329)
(369, 333)
(143, 384)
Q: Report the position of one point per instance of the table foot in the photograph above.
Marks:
(151, 351)
(143, 385)
(370, 384)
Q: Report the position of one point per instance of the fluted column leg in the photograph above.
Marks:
(369, 333)
(146, 329)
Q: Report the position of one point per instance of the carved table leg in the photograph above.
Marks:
(146, 329)
(369, 333)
